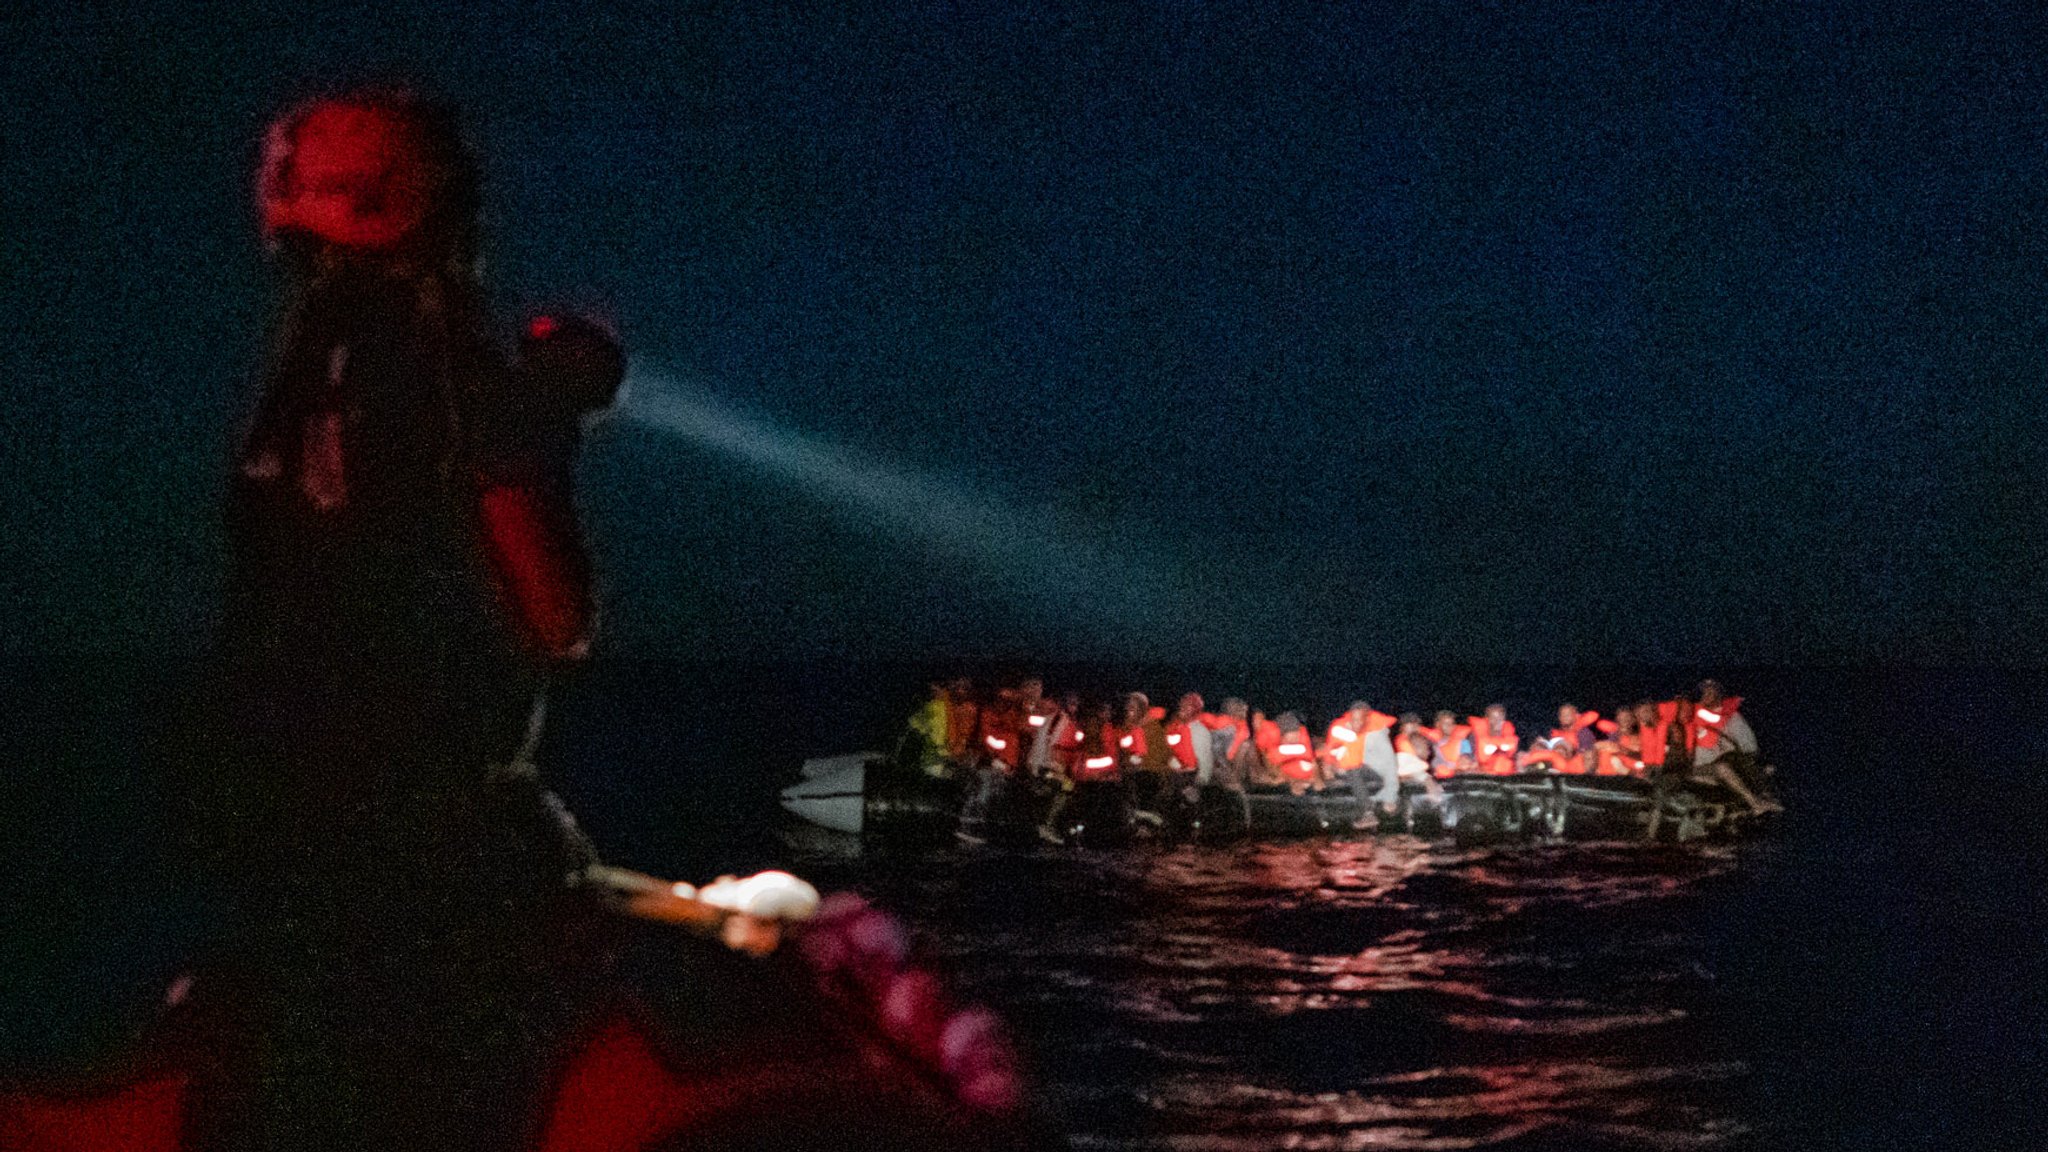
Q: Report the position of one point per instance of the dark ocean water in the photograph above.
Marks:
(1871, 976)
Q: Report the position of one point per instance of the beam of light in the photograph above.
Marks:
(1036, 555)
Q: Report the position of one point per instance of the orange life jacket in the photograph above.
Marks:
(1130, 743)
(1495, 751)
(962, 719)
(1445, 765)
(1611, 758)
(1180, 740)
(1656, 737)
(1294, 755)
(1562, 755)
(1099, 755)
(1001, 741)
(1238, 729)
(1708, 722)
(1066, 748)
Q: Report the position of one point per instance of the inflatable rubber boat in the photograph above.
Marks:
(864, 794)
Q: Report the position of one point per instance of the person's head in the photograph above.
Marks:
(1031, 690)
(1356, 713)
(1646, 713)
(1411, 723)
(1289, 722)
(1624, 720)
(1136, 704)
(1234, 708)
(1071, 703)
(1190, 706)
(1496, 714)
(960, 688)
(1567, 715)
(1446, 720)
(379, 174)
(1710, 693)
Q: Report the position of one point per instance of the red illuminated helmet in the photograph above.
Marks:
(373, 171)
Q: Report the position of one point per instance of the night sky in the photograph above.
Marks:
(1472, 332)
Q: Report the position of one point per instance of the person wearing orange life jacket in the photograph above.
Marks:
(997, 755)
(1192, 751)
(1619, 751)
(1568, 749)
(1451, 746)
(1051, 727)
(1724, 747)
(1066, 739)
(1184, 736)
(1413, 750)
(1669, 763)
(1292, 754)
(1034, 716)
(1146, 756)
(1654, 731)
(1358, 749)
(1265, 736)
(1494, 743)
(1235, 756)
(1102, 747)
(962, 720)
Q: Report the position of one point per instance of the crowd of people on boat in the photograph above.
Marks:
(1161, 758)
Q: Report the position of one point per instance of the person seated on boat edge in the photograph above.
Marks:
(1102, 747)
(1494, 743)
(1049, 722)
(1724, 747)
(1232, 761)
(1061, 765)
(1265, 738)
(962, 719)
(1654, 729)
(1568, 749)
(1450, 746)
(1147, 757)
(1413, 751)
(1619, 750)
(1192, 747)
(923, 746)
(1293, 753)
(997, 755)
(1037, 712)
(1357, 750)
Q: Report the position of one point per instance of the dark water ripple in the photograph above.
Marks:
(1347, 995)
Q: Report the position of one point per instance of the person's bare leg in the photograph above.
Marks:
(1733, 783)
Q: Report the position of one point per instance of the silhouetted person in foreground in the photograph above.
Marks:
(401, 574)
